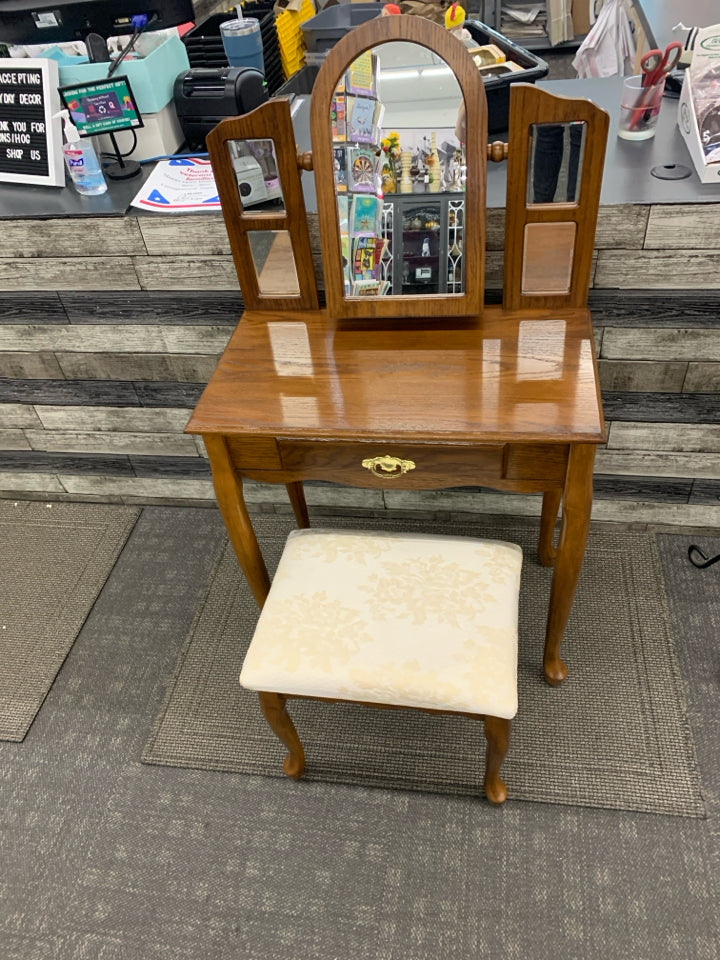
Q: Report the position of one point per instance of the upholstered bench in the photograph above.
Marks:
(391, 619)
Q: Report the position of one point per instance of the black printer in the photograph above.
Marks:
(206, 95)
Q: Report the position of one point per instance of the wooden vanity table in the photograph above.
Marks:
(407, 391)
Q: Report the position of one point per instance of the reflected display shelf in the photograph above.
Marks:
(425, 233)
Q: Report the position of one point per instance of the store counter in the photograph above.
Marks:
(112, 319)
(640, 214)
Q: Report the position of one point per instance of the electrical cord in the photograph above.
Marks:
(138, 29)
(114, 156)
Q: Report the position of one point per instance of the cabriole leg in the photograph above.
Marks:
(497, 734)
(577, 506)
(297, 499)
(550, 508)
(274, 708)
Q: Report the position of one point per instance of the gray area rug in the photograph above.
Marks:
(105, 858)
(54, 560)
(615, 735)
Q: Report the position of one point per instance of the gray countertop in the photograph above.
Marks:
(43, 203)
(627, 177)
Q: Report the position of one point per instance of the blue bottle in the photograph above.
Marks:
(243, 44)
(81, 160)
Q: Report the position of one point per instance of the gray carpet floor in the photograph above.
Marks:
(54, 561)
(104, 858)
(615, 736)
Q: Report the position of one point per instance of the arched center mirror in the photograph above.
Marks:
(399, 128)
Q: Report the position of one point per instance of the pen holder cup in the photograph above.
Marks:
(639, 108)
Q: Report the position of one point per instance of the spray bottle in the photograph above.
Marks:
(81, 160)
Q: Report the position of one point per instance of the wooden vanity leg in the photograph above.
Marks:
(497, 734)
(297, 499)
(577, 504)
(229, 493)
(550, 507)
(274, 708)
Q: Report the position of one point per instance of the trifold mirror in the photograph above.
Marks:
(395, 106)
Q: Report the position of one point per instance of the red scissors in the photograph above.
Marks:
(655, 65)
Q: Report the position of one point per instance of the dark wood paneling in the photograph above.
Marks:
(177, 467)
(36, 307)
(30, 461)
(662, 407)
(70, 392)
(609, 307)
(162, 394)
(39, 462)
(705, 491)
(642, 488)
(683, 308)
(153, 306)
(494, 296)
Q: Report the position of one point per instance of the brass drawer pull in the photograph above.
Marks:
(388, 467)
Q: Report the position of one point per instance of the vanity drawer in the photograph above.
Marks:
(537, 461)
(249, 454)
(412, 466)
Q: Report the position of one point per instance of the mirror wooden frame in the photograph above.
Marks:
(371, 34)
(271, 121)
(530, 106)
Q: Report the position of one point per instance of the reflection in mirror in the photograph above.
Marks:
(556, 158)
(548, 253)
(421, 247)
(399, 173)
(274, 263)
(256, 170)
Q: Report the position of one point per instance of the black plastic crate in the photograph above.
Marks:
(497, 89)
(205, 47)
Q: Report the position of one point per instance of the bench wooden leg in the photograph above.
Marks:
(497, 734)
(274, 708)
(297, 499)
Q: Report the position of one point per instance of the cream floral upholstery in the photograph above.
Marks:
(407, 619)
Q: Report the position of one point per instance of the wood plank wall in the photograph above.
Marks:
(110, 327)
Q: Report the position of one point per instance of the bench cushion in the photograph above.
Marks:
(399, 618)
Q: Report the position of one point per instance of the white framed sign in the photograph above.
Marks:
(30, 139)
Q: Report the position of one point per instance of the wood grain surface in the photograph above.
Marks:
(271, 121)
(529, 105)
(510, 376)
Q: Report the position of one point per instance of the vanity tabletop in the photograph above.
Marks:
(525, 375)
